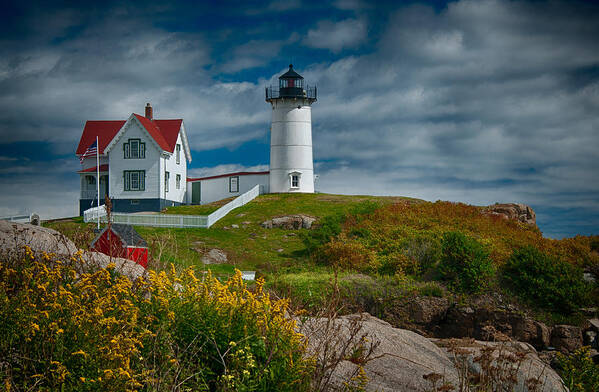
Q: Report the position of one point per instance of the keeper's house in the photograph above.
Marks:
(143, 163)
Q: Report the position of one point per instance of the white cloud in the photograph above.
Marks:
(336, 36)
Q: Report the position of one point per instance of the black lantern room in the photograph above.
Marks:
(291, 85)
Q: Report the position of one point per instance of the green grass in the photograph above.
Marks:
(249, 247)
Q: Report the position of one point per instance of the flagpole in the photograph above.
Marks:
(98, 177)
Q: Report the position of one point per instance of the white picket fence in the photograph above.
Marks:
(91, 215)
(164, 220)
(16, 218)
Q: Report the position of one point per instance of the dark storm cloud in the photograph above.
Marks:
(477, 101)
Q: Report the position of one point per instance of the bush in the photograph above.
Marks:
(464, 263)
(579, 372)
(396, 263)
(62, 328)
(329, 227)
(546, 281)
(348, 254)
(425, 249)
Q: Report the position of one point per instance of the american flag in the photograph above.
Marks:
(91, 150)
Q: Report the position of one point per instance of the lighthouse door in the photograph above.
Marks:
(196, 192)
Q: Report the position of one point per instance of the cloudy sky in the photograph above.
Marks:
(474, 101)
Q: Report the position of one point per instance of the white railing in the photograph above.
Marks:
(237, 202)
(161, 220)
(165, 220)
(16, 218)
(93, 213)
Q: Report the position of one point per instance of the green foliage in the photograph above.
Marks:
(546, 281)
(328, 227)
(64, 328)
(424, 248)
(579, 372)
(465, 263)
(396, 263)
(364, 208)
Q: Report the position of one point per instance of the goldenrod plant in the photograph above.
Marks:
(65, 328)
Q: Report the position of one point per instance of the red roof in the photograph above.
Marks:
(105, 130)
(228, 175)
(164, 132)
(103, 168)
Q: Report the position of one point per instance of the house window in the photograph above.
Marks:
(135, 180)
(134, 149)
(234, 184)
(91, 180)
(178, 148)
(167, 177)
(178, 181)
(295, 181)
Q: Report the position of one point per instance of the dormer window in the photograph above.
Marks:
(134, 149)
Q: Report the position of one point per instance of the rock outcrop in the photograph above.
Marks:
(516, 211)
(13, 236)
(486, 323)
(402, 360)
(290, 222)
(214, 256)
(507, 361)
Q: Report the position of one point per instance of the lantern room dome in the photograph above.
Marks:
(291, 74)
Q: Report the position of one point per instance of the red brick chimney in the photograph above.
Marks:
(149, 111)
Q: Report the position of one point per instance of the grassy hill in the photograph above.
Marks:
(375, 246)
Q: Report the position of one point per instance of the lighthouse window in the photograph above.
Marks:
(234, 184)
(295, 181)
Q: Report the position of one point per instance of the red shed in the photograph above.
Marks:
(122, 241)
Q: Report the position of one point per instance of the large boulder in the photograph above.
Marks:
(515, 366)
(515, 211)
(399, 360)
(14, 236)
(290, 222)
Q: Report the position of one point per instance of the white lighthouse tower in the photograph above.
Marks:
(291, 164)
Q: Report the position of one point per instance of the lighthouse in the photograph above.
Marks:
(291, 163)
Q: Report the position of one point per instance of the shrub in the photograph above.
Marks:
(546, 281)
(425, 249)
(329, 227)
(579, 372)
(396, 262)
(464, 263)
(348, 254)
(62, 328)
